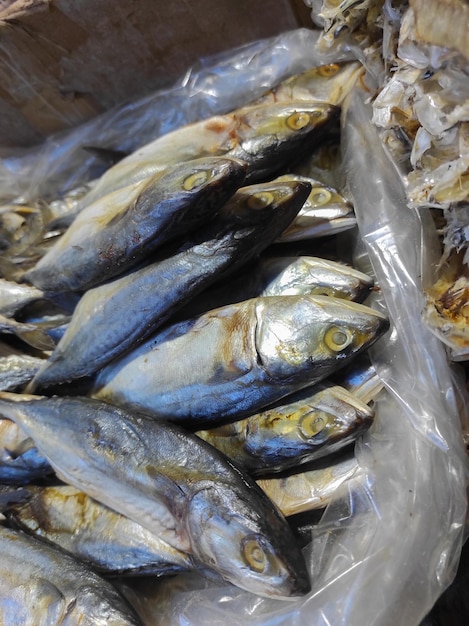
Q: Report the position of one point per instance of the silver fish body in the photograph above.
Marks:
(44, 586)
(170, 482)
(266, 137)
(111, 543)
(232, 361)
(304, 427)
(115, 233)
(117, 315)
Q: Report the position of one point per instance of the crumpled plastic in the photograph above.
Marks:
(389, 542)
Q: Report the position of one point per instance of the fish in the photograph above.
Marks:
(44, 586)
(17, 370)
(31, 334)
(304, 427)
(169, 481)
(109, 542)
(20, 460)
(325, 212)
(100, 331)
(113, 235)
(309, 490)
(266, 136)
(232, 361)
(329, 82)
(14, 296)
(283, 275)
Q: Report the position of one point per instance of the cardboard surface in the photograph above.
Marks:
(64, 61)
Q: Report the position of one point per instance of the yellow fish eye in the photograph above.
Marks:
(260, 200)
(195, 180)
(298, 120)
(320, 196)
(328, 70)
(254, 555)
(337, 338)
(312, 423)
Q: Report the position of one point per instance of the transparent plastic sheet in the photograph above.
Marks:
(214, 85)
(387, 546)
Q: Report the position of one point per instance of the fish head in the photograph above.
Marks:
(307, 275)
(302, 339)
(209, 181)
(252, 548)
(266, 203)
(271, 135)
(319, 416)
(330, 82)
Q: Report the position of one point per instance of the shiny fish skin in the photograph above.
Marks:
(325, 212)
(109, 542)
(313, 489)
(20, 460)
(266, 137)
(230, 362)
(42, 585)
(170, 482)
(304, 427)
(100, 332)
(16, 370)
(284, 275)
(114, 234)
(14, 296)
(330, 83)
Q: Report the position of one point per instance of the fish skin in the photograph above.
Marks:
(313, 489)
(170, 482)
(16, 370)
(99, 332)
(114, 234)
(330, 83)
(259, 135)
(325, 212)
(14, 296)
(283, 275)
(20, 460)
(111, 543)
(302, 428)
(232, 361)
(44, 586)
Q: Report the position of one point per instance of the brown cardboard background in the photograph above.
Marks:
(64, 61)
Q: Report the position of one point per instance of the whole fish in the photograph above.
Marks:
(283, 275)
(44, 586)
(266, 136)
(110, 236)
(20, 460)
(232, 361)
(169, 481)
(325, 212)
(304, 427)
(117, 315)
(111, 543)
(312, 489)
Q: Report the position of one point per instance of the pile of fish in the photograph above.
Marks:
(176, 366)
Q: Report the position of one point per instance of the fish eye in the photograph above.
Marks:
(320, 196)
(254, 555)
(260, 200)
(312, 424)
(328, 70)
(195, 180)
(298, 120)
(337, 338)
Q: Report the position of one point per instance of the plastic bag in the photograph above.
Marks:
(388, 545)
